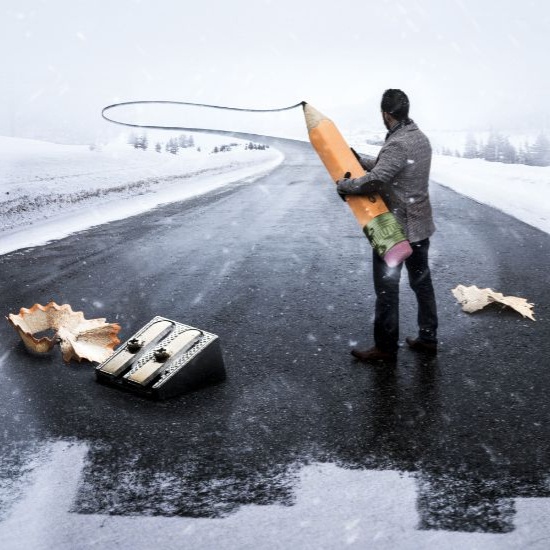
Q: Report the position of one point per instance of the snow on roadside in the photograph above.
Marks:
(516, 189)
(49, 191)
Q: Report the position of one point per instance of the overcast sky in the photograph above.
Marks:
(464, 63)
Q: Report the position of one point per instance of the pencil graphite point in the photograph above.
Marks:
(313, 116)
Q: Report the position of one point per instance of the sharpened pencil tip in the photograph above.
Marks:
(313, 116)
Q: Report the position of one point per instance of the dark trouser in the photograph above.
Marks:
(386, 286)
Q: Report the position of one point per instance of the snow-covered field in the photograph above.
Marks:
(48, 191)
(518, 190)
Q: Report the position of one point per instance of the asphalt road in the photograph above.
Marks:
(280, 271)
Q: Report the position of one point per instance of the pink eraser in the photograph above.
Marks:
(398, 253)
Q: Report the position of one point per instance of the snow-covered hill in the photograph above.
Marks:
(48, 191)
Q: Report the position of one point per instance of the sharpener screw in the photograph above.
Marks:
(161, 355)
(134, 345)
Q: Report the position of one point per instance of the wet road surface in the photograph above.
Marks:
(280, 271)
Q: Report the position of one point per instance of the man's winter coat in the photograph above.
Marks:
(400, 175)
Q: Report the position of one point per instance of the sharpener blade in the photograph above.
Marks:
(122, 360)
(171, 351)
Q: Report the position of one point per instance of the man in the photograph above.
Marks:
(400, 175)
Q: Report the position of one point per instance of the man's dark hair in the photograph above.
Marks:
(396, 103)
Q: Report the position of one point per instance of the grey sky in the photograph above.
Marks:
(464, 63)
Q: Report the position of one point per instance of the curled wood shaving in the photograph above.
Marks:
(473, 299)
(79, 338)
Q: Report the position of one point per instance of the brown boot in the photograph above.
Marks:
(420, 345)
(373, 354)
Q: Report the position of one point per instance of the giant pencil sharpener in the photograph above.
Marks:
(163, 359)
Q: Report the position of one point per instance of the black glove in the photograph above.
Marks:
(341, 194)
(343, 186)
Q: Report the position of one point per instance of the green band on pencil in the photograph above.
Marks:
(383, 232)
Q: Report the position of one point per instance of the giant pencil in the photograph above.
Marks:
(379, 225)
